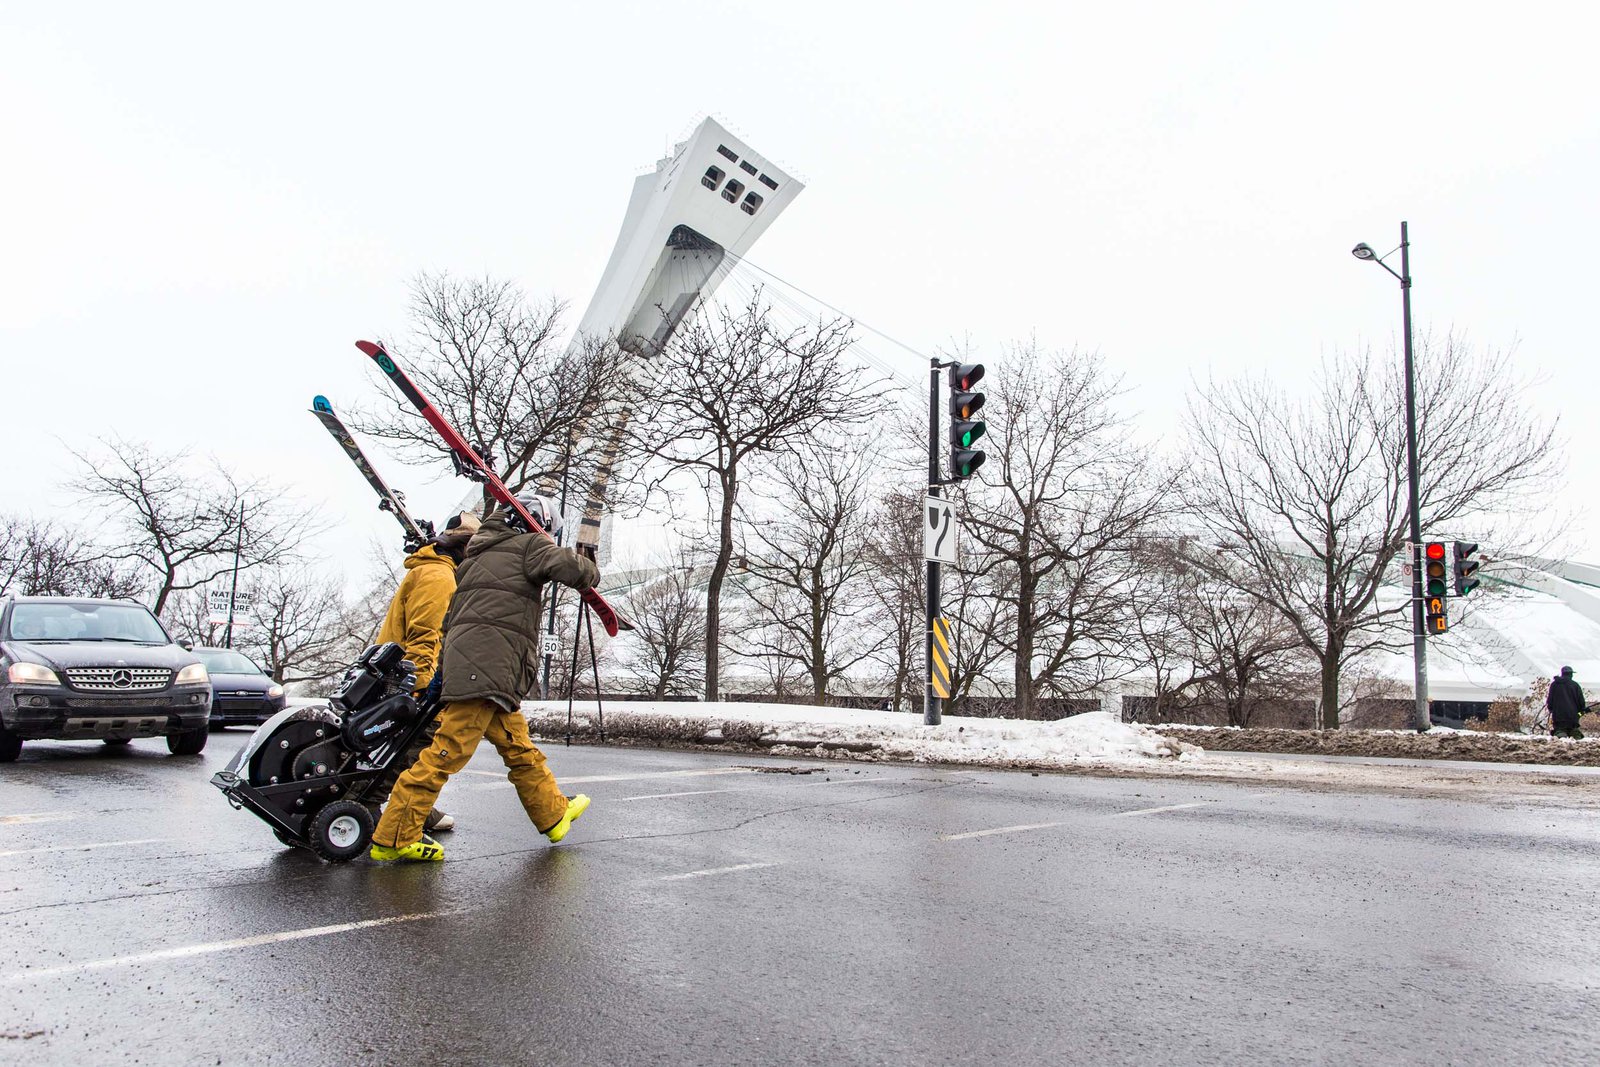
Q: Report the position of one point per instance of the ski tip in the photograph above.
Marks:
(369, 348)
(320, 403)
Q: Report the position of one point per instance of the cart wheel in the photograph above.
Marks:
(341, 831)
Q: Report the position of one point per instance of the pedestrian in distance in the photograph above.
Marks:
(415, 622)
(1565, 702)
(491, 639)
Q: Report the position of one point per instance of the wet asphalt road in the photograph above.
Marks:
(715, 909)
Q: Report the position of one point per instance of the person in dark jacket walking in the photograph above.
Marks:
(491, 650)
(1565, 701)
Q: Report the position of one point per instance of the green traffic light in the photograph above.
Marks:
(1436, 587)
(972, 431)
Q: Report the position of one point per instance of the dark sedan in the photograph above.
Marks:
(242, 694)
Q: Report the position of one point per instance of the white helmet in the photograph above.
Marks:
(544, 511)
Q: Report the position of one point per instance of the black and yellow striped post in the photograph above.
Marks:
(939, 660)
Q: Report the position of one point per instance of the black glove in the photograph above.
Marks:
(431, 695)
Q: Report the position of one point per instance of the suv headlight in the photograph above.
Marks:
(193, 674)
(32, 674)
(274, 692)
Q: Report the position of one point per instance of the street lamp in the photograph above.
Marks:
(1419, 640)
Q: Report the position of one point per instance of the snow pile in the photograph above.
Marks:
(1093, 738)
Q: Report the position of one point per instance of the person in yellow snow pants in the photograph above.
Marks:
(490, 648)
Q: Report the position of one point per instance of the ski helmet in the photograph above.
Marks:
(544, 511)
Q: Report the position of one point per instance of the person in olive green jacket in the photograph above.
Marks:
(415, 622)
(490, 657)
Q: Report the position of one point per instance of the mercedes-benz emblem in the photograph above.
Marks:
(122, 679)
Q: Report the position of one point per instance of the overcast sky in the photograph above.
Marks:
(201, 207)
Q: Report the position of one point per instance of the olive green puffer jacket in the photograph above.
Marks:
(491, 635)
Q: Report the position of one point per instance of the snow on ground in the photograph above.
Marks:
(1092, 743)
(1094, 738)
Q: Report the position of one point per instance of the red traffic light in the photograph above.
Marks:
(964, 376)
(1435, 550)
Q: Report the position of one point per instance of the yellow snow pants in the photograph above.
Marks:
(462, 724)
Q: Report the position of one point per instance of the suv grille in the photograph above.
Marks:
(119, 679)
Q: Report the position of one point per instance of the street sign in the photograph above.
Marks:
(217, 606)
(939, 531)
(940, 665)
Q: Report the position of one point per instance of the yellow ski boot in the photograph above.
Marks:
(425, 851)
(575, 807)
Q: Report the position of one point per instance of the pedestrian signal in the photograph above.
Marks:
(1434, 588)
(1466, 567)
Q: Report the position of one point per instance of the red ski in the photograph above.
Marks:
(469, 463)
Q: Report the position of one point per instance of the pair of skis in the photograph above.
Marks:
(467, 461)
(469, 464)
(417, 533)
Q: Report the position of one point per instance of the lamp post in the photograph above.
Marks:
(1419, 639)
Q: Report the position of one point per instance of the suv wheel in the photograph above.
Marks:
(10, 746)
(188, 742)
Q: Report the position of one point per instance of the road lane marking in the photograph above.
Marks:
(999, 830)
(854, 781)
(81, 848)
(40, 816)
(586, 779)
(713, 870)
(1153, 811)
(186, 951)
(689, 793)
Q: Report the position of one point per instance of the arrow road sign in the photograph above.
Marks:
(939, 531)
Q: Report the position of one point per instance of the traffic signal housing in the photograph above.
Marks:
(1466, 567)
(1434, 588)
(965, 430)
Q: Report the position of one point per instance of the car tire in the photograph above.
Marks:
(341, 831)
(10, 746)
(117, 742)
(189, 742)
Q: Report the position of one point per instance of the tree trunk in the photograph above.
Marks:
(819, 650)
(1330, 686)
(719, 571)
(1022, 667)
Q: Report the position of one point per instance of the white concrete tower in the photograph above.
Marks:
(713, 196)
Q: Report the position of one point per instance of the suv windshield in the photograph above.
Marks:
(66, 621)
(226, 662)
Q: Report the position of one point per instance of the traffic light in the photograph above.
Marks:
(1434, 588)
(964, 429)
(1466, 567)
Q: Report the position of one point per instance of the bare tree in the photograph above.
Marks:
(495, 365)
(41, 557)
(896, 584)
(1060, 507)
(1305, 497)
(182, 526)
(809, 570)
(301, 627)
(668, 612)
(732, 384)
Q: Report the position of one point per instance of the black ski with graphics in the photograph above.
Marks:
(417, 533)
(470, 465)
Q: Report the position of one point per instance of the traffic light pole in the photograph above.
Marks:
(932, 707)
(1419, 638)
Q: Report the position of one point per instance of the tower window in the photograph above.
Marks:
(727, 153)
(769, 183)
(752, 201)
(712, 178)
(748, 167)
(731, 191)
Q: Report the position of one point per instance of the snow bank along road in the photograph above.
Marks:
(719, 908)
